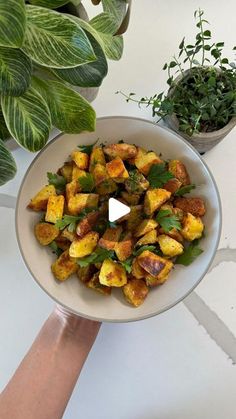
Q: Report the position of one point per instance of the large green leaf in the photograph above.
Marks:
(12, 23)
(50, 4)
(104, 23)
(116, 8)
(54, 40)
(111, 45)
(88, 75)
(7, 164)
(4, 133)
(70, 112)
(15, 71)
(27, 118)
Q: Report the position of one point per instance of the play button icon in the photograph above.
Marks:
(116, 209)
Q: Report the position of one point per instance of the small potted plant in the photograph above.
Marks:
(201, 100)
(51, 56)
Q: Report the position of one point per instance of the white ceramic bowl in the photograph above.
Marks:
(74, 295)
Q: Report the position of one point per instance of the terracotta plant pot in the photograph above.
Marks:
(204, 141)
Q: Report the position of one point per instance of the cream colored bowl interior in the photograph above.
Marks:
(71, 293)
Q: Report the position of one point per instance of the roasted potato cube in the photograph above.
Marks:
(167, 206)
(40, 200)
(85, 273)
(154, 199)
(116, 170)
(124, 248)
(62, 242)
(151, 281)
(55, 208)
(174, 233)
(66, 171)
(80, 201)
(154, 265)
(112, 274)
(76, 172)
(134, 217)
(87, 223)
(192, 227)
(172, 185)
(71, 189)
(110, 238)
(169, 247)
(99, 174)
(148, 238)
(81, 159)
(145, 226)
(104, 184)
(106, 187)
(96, 157)
(145, 159)
(85, 246)
(193, 205)
(94, 284)
(130, 199)
(122, 150)
(69, 235)
(136, 183)
(179, 171)
(45, 233)
(135, 291)
(137, 271)
(64, 266)
(179, 213)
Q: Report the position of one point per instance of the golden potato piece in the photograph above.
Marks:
(64, 266)
(87, 223)
(151, 281)
(85, 246)
(135, 291)
(55, 208)
(106, 187)
(179, 171)
(137, 271)
(192, 227)
(136, 183)
(116, 170)
(148, 238)
(172, 185)
(40, 200)
(85, 273)
(110, 238)
(45, 233)
(104, 184)
(130, 198)
(96, 157)
(112, 274)
(62, 242)
(69, 235)
(99, 174)
(94, 284)
(80, 201)
(72, 188)
(66, 171)
(145, 226)
(174, 233)
(122, 150)
(81, 159)
(154, 265)
(193, 205)
(169, 246)
(124, 248)
(145, 159)
(76, 172)
(154, 199)
(179, 213)
(134, 217)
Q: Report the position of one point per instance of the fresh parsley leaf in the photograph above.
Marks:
(138, 252)
(158, 175)
(71, 221)
(98, 256)
(185, 189)
(190, 254)
(127, 264)
(55, 248)
(57, 180)
(87, 148)
(87, 182)
(167, 220)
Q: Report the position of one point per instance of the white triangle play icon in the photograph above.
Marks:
(116, 209)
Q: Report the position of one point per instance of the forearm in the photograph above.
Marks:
(43, 383)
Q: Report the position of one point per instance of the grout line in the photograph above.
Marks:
(7, 201)
(214, 326)
(223, 255)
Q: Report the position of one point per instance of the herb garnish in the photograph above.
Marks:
(71, 221)
(55, 248)
(87, 183)
(190, 254)
(185, 189)
(87, 148)
(98, 256)
(168, 220)
(57, 180)
(158, 175)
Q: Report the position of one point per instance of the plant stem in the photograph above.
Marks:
(203, 42)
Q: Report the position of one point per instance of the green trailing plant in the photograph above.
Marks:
(46, 51)
(203, 97)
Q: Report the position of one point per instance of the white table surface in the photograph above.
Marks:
(180, 364)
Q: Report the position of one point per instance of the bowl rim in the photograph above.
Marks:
(142, 317)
